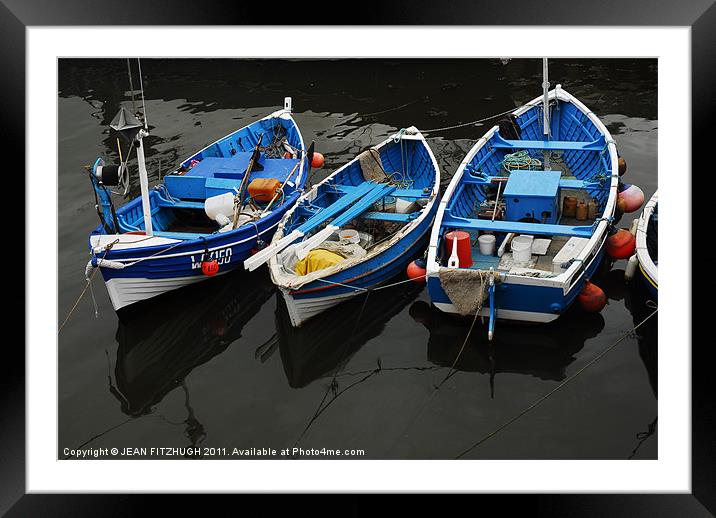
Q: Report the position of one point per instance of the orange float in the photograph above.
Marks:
(210, 267)
(592, 298)
(318, 160)
(621, 244)
(416, 271)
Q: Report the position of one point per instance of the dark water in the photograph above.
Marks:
(217, 365)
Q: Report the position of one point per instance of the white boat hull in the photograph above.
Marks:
(124, 291)
(301, 310)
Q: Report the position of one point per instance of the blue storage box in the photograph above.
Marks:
(532, 194)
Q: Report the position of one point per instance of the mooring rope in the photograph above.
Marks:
(87, 285)
(471, 123)
(358, 288)
(558, 387)
(333, 382)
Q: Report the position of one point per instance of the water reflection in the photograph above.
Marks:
(159, 346)
(542, 351)
(327, 342)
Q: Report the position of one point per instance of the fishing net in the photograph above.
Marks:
(466, 289)
(371, 166)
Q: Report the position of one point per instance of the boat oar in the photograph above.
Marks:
(238, 205)
(274, 248)
(309, 155)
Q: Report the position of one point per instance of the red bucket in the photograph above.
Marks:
(464, 248)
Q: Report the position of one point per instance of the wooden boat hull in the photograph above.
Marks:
(137, 268)
(648, 270)
(307, 297)
(518, 297)
(181, 266)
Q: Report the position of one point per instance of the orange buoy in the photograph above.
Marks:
(621, 244)
(592, 298)
(622, 166)
(210, 267)
(318, 160)
(633, 197)
(287, 154)
(464, 249)
(416, 271)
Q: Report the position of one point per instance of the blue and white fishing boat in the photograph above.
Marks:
(511, 189)
(202, 219)
(647, 252)
(373, 215)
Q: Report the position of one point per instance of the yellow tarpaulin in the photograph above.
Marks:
(317, 260)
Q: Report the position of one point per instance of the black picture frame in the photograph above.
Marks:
(700, 15)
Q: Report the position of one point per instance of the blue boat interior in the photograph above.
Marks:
(177, 203)
(377, 194)
(507, 178)
(351, 200)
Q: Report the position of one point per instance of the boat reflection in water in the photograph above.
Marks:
(160, 345)
(542, 351)
(329, 340)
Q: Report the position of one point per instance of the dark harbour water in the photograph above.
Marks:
(217, 365)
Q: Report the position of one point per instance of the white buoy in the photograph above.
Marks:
(630, 269)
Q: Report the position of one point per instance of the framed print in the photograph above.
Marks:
(354, 201)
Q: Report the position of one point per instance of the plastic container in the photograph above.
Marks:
(592, 209)
(350, 235)
(582, 211)
(521, 249)
(264, 189)
(487, 244)
(366, 240)
(405, 206)
(464, 248)
(221, 204)
(569, 206)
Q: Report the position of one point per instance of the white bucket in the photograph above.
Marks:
(487, 244)
(349, 235)
(522, 249)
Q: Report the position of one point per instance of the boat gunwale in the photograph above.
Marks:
(646, 263)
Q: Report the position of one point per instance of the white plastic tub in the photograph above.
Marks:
(487, 244)
(521, 249)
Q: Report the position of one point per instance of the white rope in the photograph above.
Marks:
(358, 288)
(471, 122)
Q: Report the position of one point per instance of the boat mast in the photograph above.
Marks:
(143, 177)
(545, 109)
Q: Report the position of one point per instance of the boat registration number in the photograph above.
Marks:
(221, 256)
